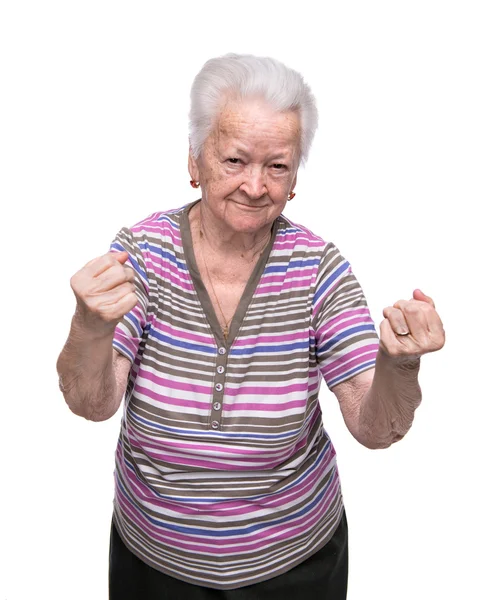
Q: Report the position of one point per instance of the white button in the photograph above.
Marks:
(222, 350)
(219, 387)
(220, 369)
(215, 424)
(216, 405)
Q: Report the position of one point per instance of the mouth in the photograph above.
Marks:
(250, 207)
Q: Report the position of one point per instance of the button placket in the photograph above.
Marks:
(218, 392)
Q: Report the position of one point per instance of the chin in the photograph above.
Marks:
(247, 224)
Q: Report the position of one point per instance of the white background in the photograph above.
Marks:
(93, 136)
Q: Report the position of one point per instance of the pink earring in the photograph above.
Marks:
(194, 184)
(291, 195)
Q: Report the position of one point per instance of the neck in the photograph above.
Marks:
(224, 241)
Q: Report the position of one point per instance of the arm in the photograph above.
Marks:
(378, 405)
(92, 375)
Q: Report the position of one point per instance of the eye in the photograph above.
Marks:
(233, 161)
(279, 166)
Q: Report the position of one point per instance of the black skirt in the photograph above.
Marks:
(322, 576)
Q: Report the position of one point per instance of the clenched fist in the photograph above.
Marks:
(411, 328)
(105, 292)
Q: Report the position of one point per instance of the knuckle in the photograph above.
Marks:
(398, 318)
(74, 282)
(129, 273)
(411, 308)
(440, 342)
(93, 304)
(104, 261)
(109, 258)
(106, 313)
(124, 289)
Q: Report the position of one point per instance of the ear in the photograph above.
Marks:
(294, 182)
(193, 169)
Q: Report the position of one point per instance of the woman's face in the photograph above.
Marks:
(248, 165)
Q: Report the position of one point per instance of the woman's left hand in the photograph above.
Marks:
(411, 328)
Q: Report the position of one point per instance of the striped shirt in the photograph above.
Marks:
(225, 475)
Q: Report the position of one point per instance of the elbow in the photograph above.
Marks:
(92, 405)
(99, 416)
(90, 411)
(381, 444)
(376, 445)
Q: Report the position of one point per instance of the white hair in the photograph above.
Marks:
(241, 76)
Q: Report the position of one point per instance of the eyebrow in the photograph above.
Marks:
(276, 157)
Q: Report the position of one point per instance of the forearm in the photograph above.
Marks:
(87, 378)
(387, 408)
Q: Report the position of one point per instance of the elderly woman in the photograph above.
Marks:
(216, 322)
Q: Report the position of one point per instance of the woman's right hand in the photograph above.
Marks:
(105, 292)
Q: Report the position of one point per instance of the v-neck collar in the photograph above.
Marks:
(237, 320)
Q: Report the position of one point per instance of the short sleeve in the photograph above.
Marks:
(345, 335)
(129, 331)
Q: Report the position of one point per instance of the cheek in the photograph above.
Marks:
(219, 182)
(279, 186)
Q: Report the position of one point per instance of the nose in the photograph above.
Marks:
(254, 184)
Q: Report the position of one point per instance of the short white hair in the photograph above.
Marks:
(242, 76)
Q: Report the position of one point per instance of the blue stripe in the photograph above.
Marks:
(259, 349)
(168, 256)
(135, 265)
(144, 244)
(288, 230)
(295, 264)
(342, 335)
(124, 350)
(327, 283)
(179, 344)
(131, 317)
(363, 367)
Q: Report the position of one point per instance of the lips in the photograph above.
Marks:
(249, 206)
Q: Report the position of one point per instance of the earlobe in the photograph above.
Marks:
(292, 193)
(193, 169)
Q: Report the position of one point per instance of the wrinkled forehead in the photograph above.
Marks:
(254, 122)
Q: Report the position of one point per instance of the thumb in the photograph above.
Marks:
(121, 256)
(419, 295)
